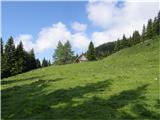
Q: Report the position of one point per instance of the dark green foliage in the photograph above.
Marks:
(143, 36)
(20, 58)
(44, 63)
(91, 55)
(49, 63)
(32, 60)
(124, 42)
(156, 27)
(150, 29)
(107, 49)
(117, 45)
(10, 57)
(38, 63)
(3, 68)
(63, 54)
(136, 37)
(15, 60)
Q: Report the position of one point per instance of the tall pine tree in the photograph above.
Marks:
(10, 57)
(91, 55)
(149, 29)
(136, 37)
(20, 58)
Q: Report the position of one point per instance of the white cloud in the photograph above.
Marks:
(113, 21)
(118, 21)
(79, 27)
(48, 38)
(27, 41)
(80, 40)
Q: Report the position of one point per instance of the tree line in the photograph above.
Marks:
(151, 30)
(15, 60)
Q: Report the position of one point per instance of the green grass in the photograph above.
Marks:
(124, 85)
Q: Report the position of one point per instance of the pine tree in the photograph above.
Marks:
(124, 41)
(10, 58)
(49, 63)
(59, 54)
(136, 37)
(149, 29)
(63, 54)
(130, 42)
(38, 63)
(2, 60)
(2, 47)
(32, 60)
(44, 63)
(68, 53)
(91, 52)
(20, 58)
(117, 46)
(143, 36)
(156, 26)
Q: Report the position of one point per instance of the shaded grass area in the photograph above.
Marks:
(34, 104)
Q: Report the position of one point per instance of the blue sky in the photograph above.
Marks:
(40, 24)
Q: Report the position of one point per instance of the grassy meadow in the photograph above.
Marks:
(124, 85)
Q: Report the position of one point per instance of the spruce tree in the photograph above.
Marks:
(136, 37)
(149, 29)
(143, 36)
(10, 57)
(2, 60)
(38, 63)
(20, 58)
(59, 54)
(68, 53)
(44, 63)
(91, 52)
(49, 63)
(32, 60)
(117, 46)
(124, 41)
(63, 54)
(156, 26)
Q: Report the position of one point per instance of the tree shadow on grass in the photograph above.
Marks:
(14, 99)
(98, 108)
(4, 82)
(30, 101)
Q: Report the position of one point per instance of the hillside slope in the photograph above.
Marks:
(123, 86)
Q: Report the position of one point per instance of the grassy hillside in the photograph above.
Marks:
(123, 86)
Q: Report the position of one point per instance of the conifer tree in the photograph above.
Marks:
(44, 63)
(136, 37)
(38, 63)
(63, 54)
(143, 36)
(59, 54)
(20, 58)
(91, 52)
(124, 41)
(2, 60)
(10, 57)
(68, 53)
(149, 29)
(117, 46)
(32, 60)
